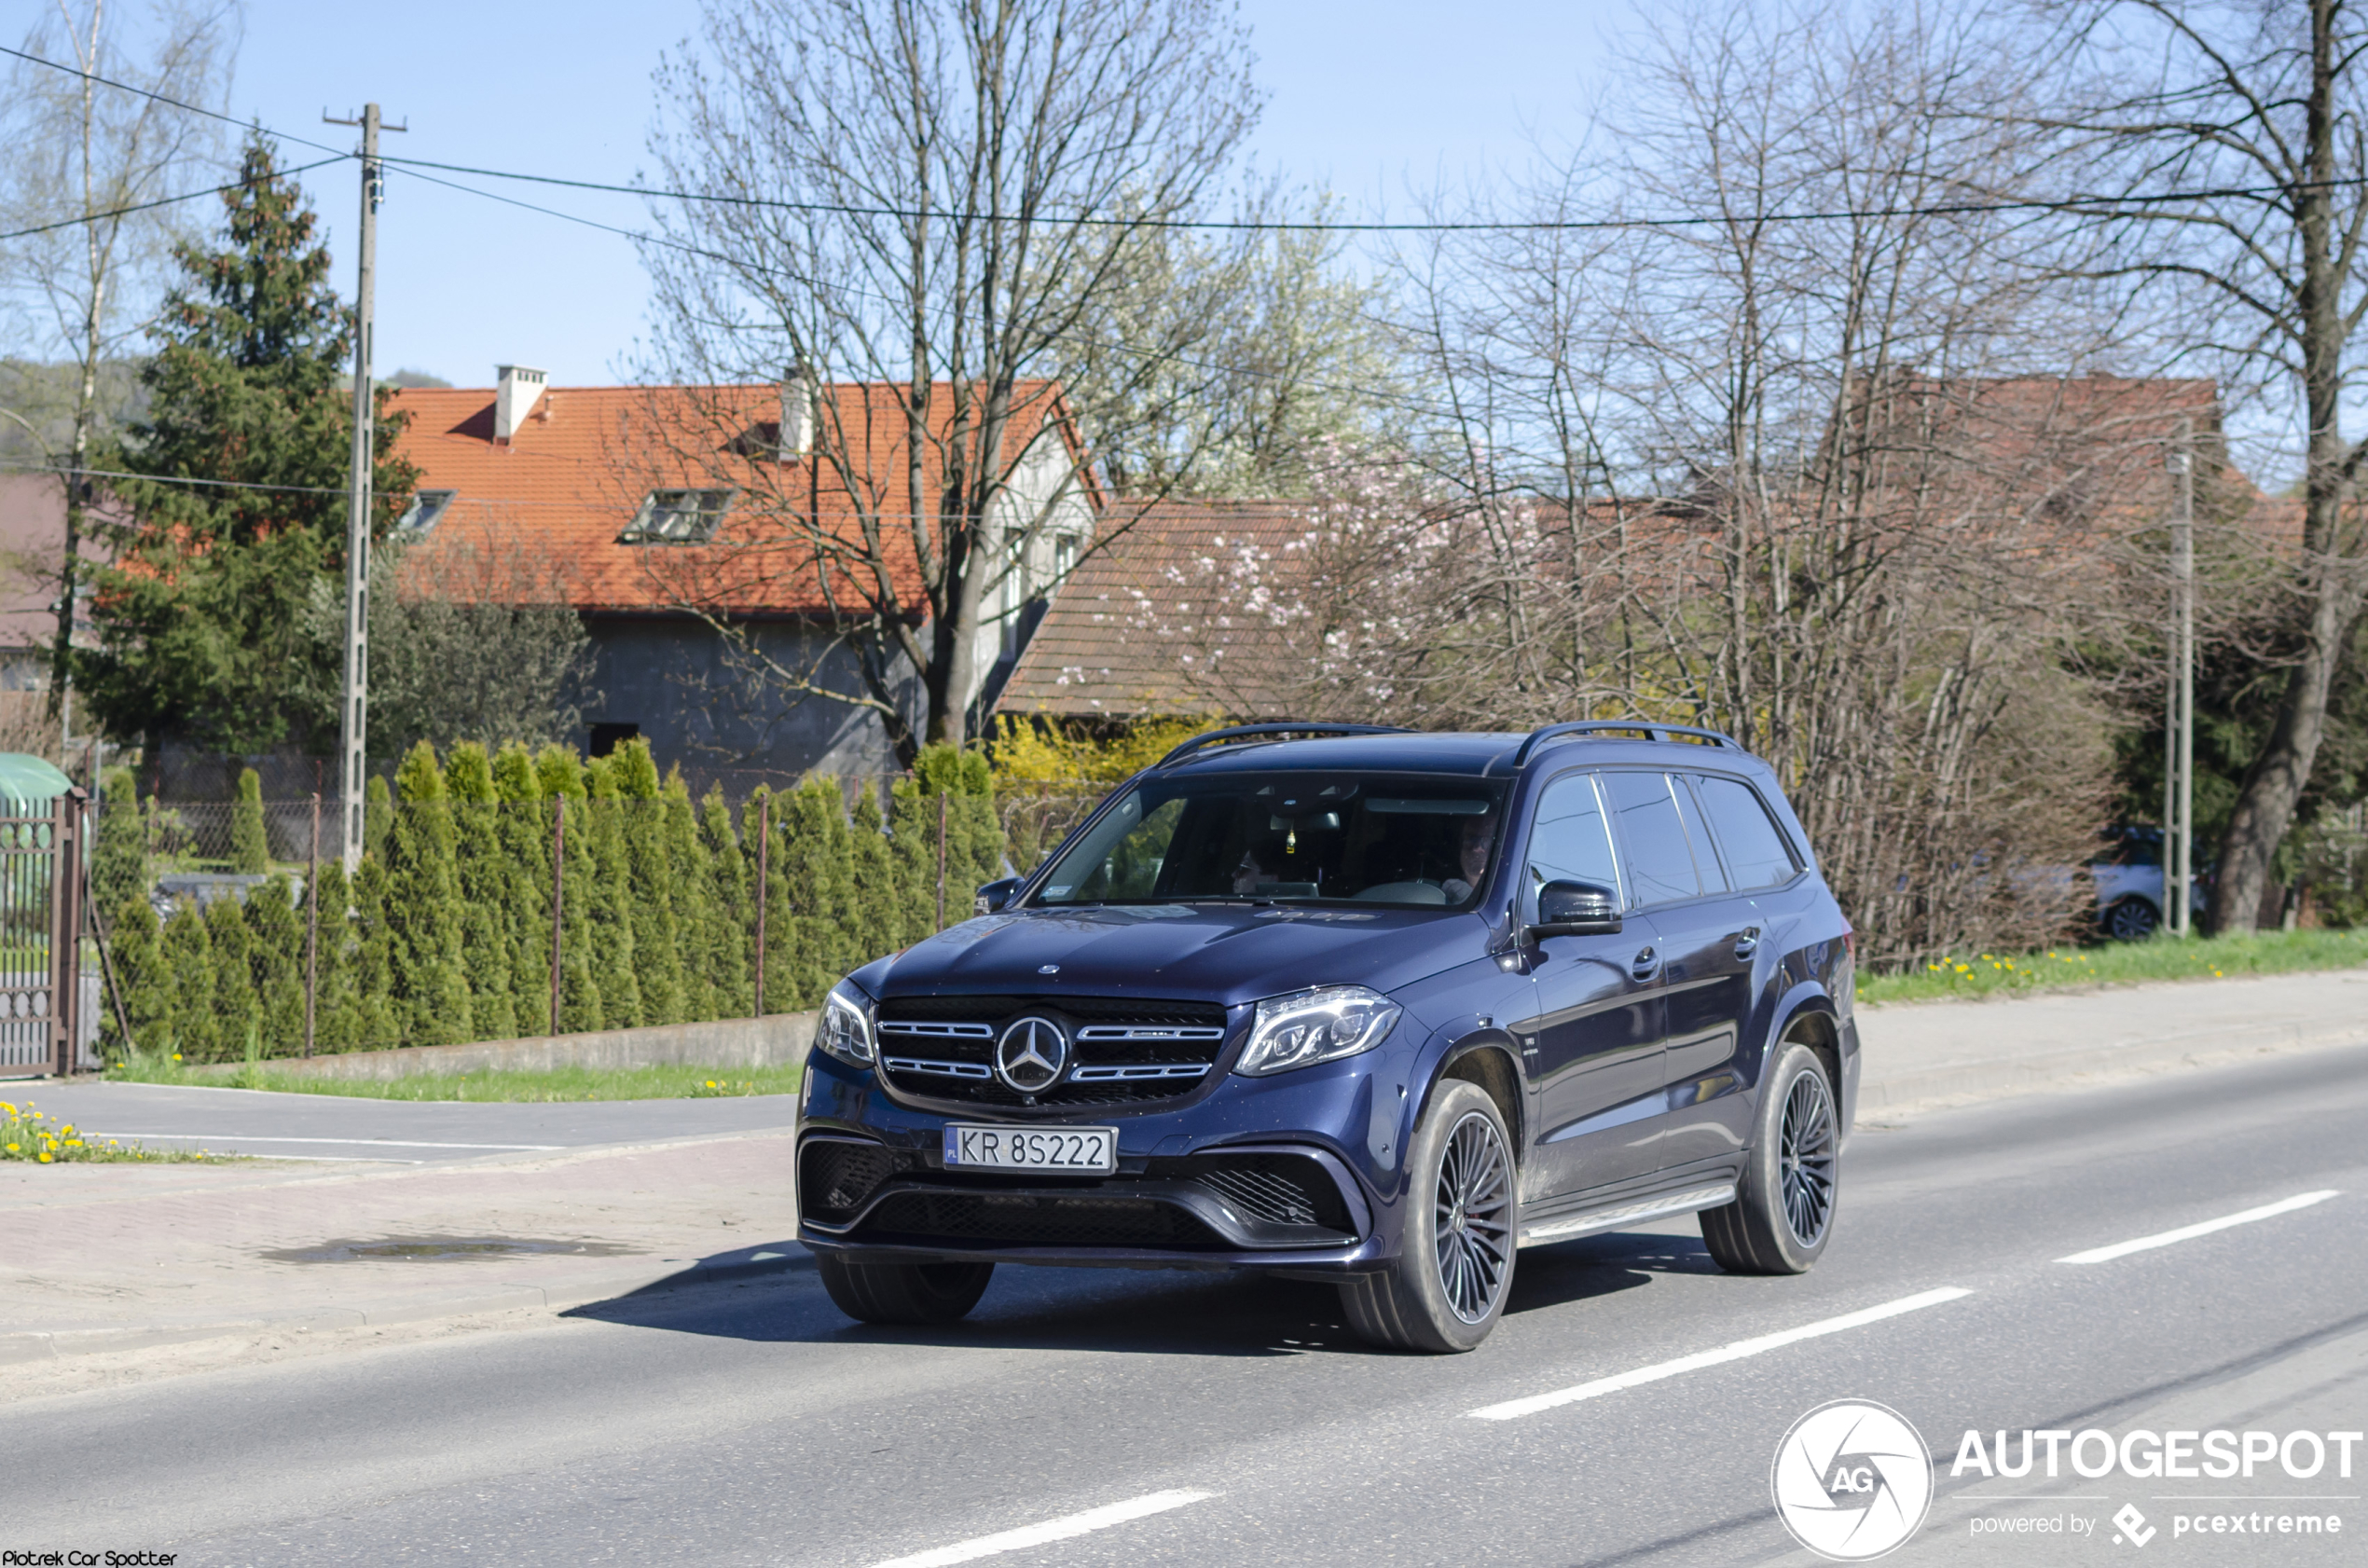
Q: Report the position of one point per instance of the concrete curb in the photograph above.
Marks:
(56, 1344)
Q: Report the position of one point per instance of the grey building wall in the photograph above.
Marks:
(680, 683)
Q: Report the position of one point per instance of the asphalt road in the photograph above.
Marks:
(1189, 1419)
(344, 1129)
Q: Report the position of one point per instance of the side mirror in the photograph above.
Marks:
(994, 895)
(1570, 909)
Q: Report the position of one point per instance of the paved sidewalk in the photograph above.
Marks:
(119, 1257)
(1925, 1055)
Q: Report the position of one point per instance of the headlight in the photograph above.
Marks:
(1320, 1026)
(846, 1026)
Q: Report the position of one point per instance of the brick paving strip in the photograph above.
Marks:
(107, 1257)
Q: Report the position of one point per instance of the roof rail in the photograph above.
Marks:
(1240, 732)
(1631, 726)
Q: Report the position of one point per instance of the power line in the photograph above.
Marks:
(1951, 209)
(169, 200)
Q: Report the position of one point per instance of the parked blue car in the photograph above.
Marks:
(1356, 1005)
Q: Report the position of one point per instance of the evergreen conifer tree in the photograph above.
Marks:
(481, 873)
(762, 817)
(237, 1006)
(822, 891)
(426, 982)
(185, 966)
(583, 1002)
(140, 970)
(119, 858)
(610, 905)
(878, 923)
(202, 614)
(691, 889)
(337, 1016)
(377, 816)
(913, 846)
(250, 849)
(525, 829)
(640, 819)
(379, 1022)
(731, 906)
(275, 959)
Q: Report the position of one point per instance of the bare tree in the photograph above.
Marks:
(929, 198)
(84, 159)
(2261, 107)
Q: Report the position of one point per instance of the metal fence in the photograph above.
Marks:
(49, 1001)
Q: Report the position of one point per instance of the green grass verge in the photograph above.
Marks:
(2120, 963)
(555, 1085)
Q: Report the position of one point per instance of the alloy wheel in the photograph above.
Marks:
(1805, 1158)
(1474, 1218)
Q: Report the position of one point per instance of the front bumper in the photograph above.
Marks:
(1257, 1173)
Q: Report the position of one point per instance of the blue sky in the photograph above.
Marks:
(1363, 96)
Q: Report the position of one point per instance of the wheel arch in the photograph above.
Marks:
(1488, 1062)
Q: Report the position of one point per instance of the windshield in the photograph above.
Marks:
(1364, 838)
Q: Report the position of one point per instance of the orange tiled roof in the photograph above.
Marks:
(557, 496)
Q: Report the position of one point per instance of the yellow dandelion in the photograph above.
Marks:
(45, 1156)
(15, 1149)
(74, 1143)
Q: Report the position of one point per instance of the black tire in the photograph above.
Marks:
(2133, 920)
(1783, 1214)
(1447, 1286)
(904, 1293)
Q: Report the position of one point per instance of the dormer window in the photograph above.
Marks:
(677, 517)
(426, 509)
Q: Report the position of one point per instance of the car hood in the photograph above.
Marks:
(1221, 953)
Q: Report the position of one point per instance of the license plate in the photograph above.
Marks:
(1071, 1151)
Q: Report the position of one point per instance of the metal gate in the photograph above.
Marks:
(44, 998)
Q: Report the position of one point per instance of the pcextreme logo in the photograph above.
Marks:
(1851, 1480)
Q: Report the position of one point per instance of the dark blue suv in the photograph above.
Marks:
(1356, 1005)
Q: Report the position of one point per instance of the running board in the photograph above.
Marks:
(1692, 1201)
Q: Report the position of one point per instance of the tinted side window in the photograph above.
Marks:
(1660, 864)
(1755, 850)
(1705, 856)
(1571, 842)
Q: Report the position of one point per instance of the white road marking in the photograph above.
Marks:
(2189, 1233)
(349, 1143)
(1513, 1409)
(1050, 1531)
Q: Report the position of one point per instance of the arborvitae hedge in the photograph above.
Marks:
(250, 847)
(445, 932)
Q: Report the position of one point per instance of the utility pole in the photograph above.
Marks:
(354, 716)
(2179, 716)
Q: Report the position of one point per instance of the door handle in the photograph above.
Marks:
(1747, 943)
(1645, 964)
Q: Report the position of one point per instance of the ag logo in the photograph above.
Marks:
(1851, 1480)
(1030, 1055)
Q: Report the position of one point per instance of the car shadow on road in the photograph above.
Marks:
(1121, 1311)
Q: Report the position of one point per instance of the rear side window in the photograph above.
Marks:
(1756, 852)
(1571, 842)
(1660, 863)
(1705, 857)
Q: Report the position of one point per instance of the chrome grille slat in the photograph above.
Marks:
(1152, 1069)
(912, 1029)
(1147, 1032)
(941, 1070)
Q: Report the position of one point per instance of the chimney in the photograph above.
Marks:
(515, 392)
(800, 394)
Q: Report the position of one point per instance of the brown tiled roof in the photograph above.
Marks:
(1099, 653)
(566, 486)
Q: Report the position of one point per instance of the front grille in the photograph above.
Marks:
(1122, 1050)
(1003, 1216)
(834, 1178)
(1279, 1188)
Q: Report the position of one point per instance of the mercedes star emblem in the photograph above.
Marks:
(1030, 1055)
